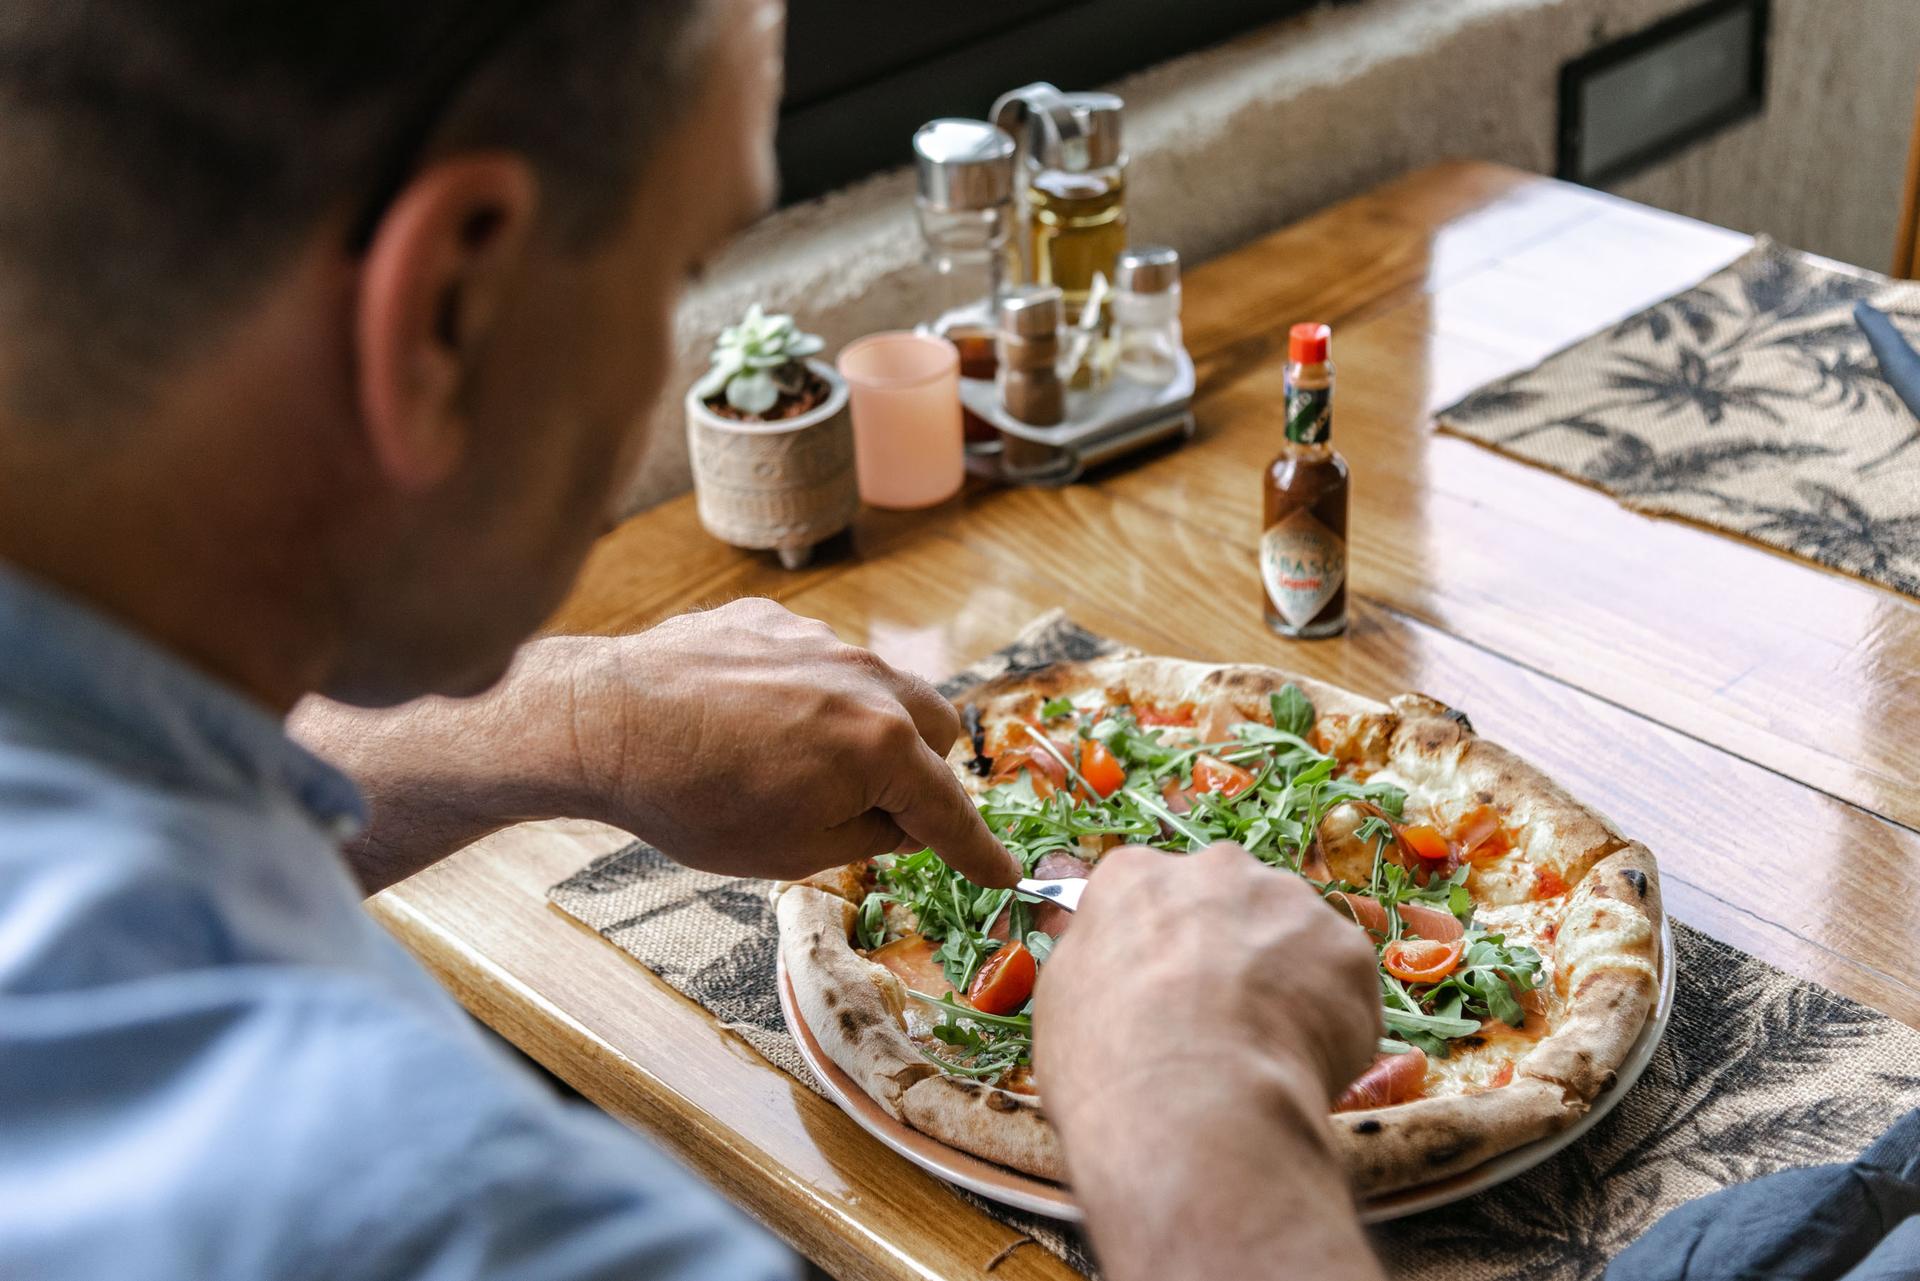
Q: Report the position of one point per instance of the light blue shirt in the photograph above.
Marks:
(214, 1065)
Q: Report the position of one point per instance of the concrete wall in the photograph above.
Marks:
(1232, 142)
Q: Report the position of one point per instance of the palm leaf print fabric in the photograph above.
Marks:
(1758, 1071)
(1750, 403)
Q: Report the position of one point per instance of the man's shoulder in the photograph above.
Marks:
(110, 873)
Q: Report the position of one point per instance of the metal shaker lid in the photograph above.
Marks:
(963, 164)
(1034, 310)
(1147, 269)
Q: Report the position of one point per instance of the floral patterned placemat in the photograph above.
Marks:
(1758, 1070)
(1750, 403)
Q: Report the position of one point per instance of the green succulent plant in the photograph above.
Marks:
(757, 360)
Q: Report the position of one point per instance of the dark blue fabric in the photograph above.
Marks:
(1856, 1222)
(1899, 362)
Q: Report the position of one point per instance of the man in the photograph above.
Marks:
(323, 328)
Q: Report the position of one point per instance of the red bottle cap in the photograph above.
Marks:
(1308, 344)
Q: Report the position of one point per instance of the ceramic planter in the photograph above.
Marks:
(782, 486)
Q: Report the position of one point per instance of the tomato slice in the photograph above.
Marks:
(1005, 982)
(1414, 960)
(1211, 774)
(1426, 842)
(1547, 883)
(1150, 716)
(1048, 774)
(1101, 768)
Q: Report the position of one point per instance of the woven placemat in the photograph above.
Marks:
(1750, 403)
(1758, 1070)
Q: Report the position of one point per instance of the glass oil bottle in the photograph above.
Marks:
(1075, 186)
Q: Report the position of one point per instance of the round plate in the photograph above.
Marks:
(1024, 1192)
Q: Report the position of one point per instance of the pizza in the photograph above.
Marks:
(1518, 932)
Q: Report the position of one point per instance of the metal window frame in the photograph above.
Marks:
(1575, 74)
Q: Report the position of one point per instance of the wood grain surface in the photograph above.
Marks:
(1746, 715)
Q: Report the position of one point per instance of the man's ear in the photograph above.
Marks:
(436, 274)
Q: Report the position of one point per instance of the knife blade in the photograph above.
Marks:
(1063, 893)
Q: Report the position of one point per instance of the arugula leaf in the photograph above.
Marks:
(1054, 708)
(1292, 711)
(1040, 943)
(872, 924)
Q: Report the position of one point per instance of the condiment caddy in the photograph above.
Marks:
(1069, 341)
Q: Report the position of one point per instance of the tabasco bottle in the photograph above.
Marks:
(1303, 551)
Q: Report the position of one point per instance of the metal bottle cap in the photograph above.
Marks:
(1035, 310)
(963, 164)
(1093, 142)
(1147, 269)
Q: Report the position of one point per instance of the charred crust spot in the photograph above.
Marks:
(1458, 717)
(1001, 1101)
(1432, 739)
(1636, 878)
(1484, 798)
(854, 1021)
(1368, 1126)
(830, 998)
(1448, 1153)
(1472, 1042)
(980, 764)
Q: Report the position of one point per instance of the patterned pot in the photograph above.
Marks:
(784, 485)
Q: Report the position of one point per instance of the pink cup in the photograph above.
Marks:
(904, 391)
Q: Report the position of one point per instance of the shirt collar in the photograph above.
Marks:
(65, 657)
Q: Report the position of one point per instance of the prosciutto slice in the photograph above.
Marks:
(1393, 1078)
(1427, 922)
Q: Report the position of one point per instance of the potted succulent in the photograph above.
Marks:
(770, 441)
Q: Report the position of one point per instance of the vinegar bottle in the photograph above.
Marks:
(1303, 549)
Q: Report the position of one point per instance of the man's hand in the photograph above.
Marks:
(1193, 1026)
(751, 741)
(743, 740)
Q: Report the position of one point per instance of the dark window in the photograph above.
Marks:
(863, 74)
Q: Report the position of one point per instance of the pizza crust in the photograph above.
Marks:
(1604, 963)
(853, 1007)
(986, 1121)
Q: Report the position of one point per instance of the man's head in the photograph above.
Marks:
(348, 310)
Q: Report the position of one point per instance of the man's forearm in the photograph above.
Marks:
(1179, 1186)
(441, 773)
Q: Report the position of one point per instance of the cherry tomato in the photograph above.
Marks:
(1211, 774)
(1414, 960)
(1150, 716)
(1101, 768)
(1005, 982)
(1426, 842)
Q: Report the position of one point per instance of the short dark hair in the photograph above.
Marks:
(160, 157)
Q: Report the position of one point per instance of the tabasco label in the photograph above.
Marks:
(1302, 563)
(1309, 414)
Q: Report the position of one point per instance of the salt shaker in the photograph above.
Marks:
(1146, 315)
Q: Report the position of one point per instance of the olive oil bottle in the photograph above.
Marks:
(1303, 549)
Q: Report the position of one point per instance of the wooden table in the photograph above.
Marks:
(1751, 717)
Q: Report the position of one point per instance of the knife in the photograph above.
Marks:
(1064, 894)
(1899, 363)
